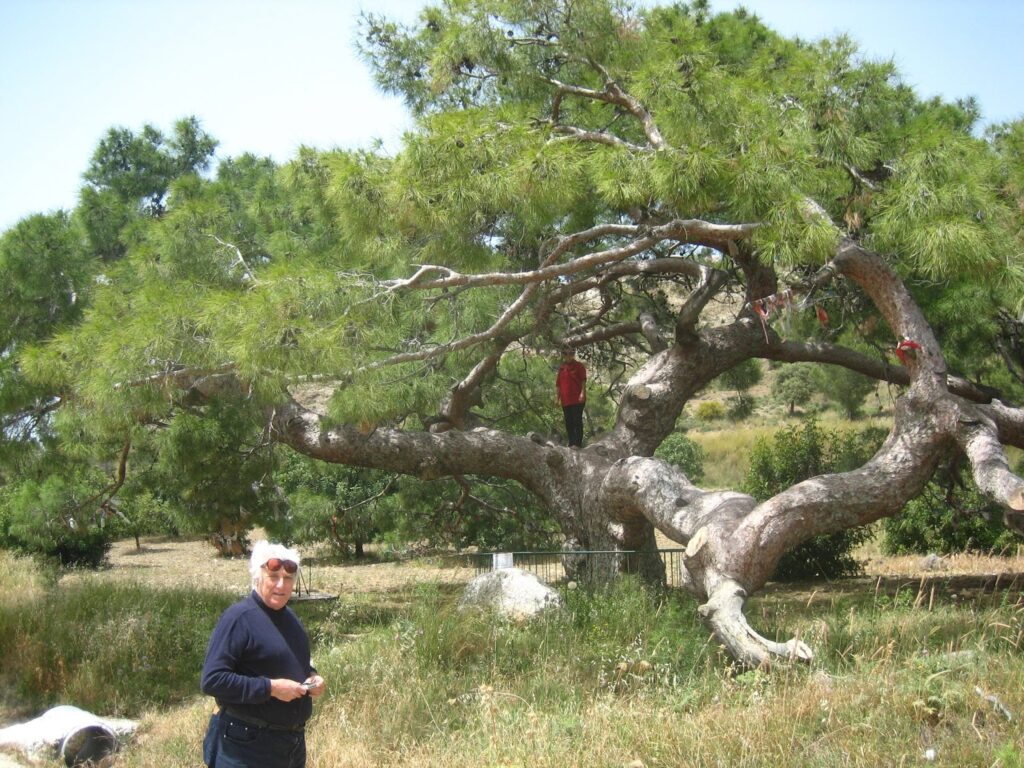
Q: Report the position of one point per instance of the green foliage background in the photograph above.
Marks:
(949, 516)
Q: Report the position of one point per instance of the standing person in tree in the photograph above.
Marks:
(571, 383)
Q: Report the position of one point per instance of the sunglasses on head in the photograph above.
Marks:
(275, 564)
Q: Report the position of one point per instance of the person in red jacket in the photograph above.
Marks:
(571, 384)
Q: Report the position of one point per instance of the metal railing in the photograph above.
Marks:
(551, 567)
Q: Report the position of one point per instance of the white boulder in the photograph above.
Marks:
(510, 592)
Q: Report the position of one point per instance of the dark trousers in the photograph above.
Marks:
(574, 423)
(232, 743)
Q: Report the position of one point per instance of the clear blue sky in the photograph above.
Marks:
(267, 76)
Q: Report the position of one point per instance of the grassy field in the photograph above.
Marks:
(728, 444)
(907, 667)
(728, 447)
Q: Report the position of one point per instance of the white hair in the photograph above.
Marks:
(263, 551)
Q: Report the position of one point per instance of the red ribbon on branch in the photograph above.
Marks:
(907, 348)
(764, 308)
(762, 315)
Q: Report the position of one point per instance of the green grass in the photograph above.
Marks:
(729, 447)
(727, 453)
(618, 676)
(110, 648)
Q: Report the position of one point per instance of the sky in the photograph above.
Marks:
(269, 76)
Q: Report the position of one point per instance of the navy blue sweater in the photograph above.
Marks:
(251, 644)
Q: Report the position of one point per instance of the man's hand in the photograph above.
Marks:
(315, 685)
(286, 690)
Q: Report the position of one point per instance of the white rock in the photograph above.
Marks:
(511, 592)
(932, 562)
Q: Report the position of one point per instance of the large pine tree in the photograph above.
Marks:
(663, 190)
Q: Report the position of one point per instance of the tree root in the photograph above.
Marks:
(723, 614)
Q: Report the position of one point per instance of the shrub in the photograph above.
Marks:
(741, 406)
(710, 410)
(684, 453)
(47, 518)
(950, 515)
(798, 453)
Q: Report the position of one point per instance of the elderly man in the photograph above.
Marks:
(258, 668)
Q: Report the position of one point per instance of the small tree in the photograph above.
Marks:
(741, 378)
(845, 388)
(52, 518)
(345, 506)
(794, 384)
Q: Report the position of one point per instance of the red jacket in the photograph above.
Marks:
(572, 377)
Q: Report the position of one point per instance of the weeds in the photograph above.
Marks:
(111, 648)
(620, 675)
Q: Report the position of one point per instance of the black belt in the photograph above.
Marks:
(250, 720)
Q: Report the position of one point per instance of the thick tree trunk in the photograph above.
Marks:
(610, 496)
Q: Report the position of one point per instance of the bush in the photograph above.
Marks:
(86, 548)
(798, 453)
(46, 519)
(741, 406)
(710, 410)
(684, 453)
(950, 515)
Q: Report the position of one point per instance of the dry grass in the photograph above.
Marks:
(173, 563)
(897, 671)
(947, 566)
(171, 737)
(164, 563)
